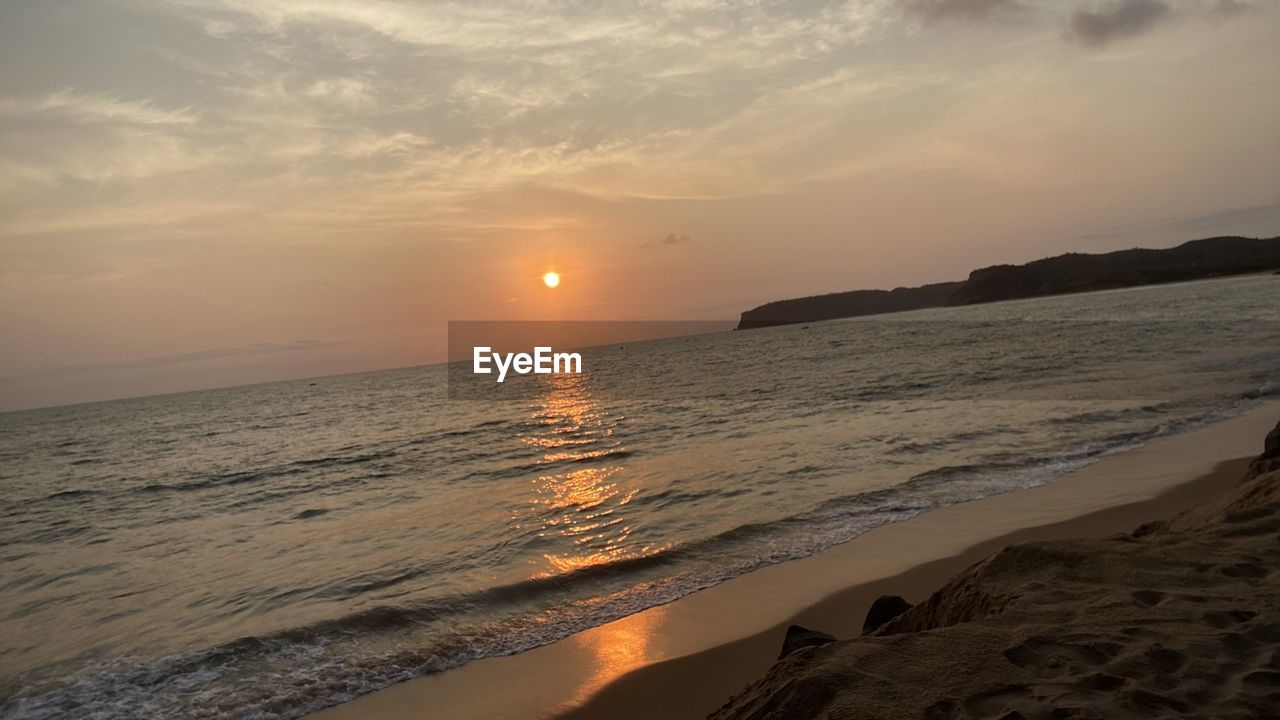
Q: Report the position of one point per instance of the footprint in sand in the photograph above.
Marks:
(1054, 657)
(1148, 598)
(1222, 619)
(1243, 570)
(1152, 704)
(1164, 659)
(996, 702)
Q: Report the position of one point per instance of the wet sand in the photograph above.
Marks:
(684, 659)
(1175, 619)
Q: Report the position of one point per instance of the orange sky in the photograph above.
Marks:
(210, 192)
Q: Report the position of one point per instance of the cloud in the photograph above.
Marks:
(1230, 8)
(672, 239)
(91, 108)
(343, 91)
(962, 10)
(1126, 18)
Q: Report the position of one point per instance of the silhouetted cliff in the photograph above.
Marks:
(847, 304)
(1070, 273)
(1077, 272)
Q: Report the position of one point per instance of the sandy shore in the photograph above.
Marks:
(685, 659)
(1175, 619)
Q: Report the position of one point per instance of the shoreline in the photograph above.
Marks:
(685, 658)
(731, 667)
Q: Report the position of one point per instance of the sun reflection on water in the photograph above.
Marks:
(581, 505)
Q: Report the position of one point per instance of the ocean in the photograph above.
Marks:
(270, 550)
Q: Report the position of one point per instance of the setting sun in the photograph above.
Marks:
(817, 251)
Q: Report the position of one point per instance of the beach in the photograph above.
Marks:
(575, 361)
(1177, 618)
(366, 543)
(685, 659)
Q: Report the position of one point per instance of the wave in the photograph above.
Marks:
(1268, 389)
(340, 460)
(227, 479)
(71, 493)
(318, 665)
(905, 447)
(544, 465)
(331, 661)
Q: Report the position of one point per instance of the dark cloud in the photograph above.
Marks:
(671, 239)
(1126, 18)
(963, 10)
(1230, 8)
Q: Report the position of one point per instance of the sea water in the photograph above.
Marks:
(271, 550)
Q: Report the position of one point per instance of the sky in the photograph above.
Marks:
(201, 193)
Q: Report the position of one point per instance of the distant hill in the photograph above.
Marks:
(1070, 273)
(1077, 272)
(847, 304)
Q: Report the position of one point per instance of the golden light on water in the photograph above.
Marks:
(551, 279)
(587, 506)
(581, 507)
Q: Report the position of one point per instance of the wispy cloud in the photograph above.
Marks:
(499, 94)
(274, 152)
(672, 239)
(963, 10)
(75, 136)
(92, 108)
(1119, 20)
(350, 92)
(1230, 8)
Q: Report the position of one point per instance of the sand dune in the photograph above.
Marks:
(1176, 619)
